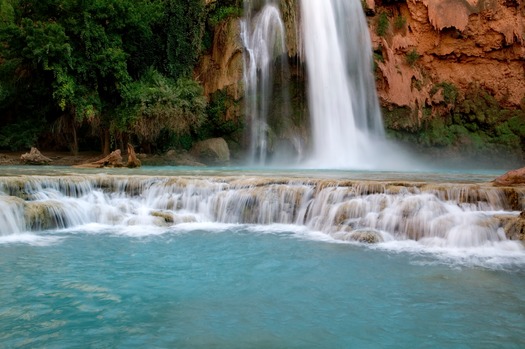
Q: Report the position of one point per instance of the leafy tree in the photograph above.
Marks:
(83, 63)
(157, 104)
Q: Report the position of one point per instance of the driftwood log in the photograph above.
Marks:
(114, 160)
(133, 161)
(34, 157)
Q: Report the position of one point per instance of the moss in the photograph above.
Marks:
(221, 13)
(400, 22)
(218, 123)
(412, 57)
(477, 125)
(450, 92)
(382, 25)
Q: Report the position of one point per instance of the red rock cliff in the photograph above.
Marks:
(461, 42)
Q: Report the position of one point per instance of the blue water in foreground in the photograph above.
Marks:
(234, 286)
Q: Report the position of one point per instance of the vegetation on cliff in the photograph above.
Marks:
(94, 75)
(97, 73)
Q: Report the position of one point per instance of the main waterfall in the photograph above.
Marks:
(346, 123)
(344, 110)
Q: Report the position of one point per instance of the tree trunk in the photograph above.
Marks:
(106, 142)
(74, 145)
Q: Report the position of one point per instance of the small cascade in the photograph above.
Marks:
(263, 35)
(445, 215)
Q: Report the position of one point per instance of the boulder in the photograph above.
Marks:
(514, 226)
(362, 235)
(213, 151)
(514, 177)
(34, 157)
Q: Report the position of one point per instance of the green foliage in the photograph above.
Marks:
(7, 12)
(450, 92)
(400, 22)
(218, 124)
(382, 25)
(21, 135)
(157, 104)
(412, 57)
(183, 34)
(222, 13)
(82, 60)
(473, 122)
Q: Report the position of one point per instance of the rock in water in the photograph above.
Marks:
(514, 177)
(34, 157)
(213, 151)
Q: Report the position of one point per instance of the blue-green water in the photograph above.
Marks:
(238, 286)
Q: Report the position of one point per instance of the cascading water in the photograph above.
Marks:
(345, 115)
(447, 216)
(263, 35)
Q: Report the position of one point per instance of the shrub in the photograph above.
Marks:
(400, 22)
(382, 24)
(412, 57)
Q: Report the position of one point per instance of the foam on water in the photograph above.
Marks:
(29, 239)
(464, 220)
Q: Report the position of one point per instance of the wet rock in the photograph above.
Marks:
(514, 226)
(34, 157)
(363, 236)
(167, 216)
(213, 151)
(514, 177)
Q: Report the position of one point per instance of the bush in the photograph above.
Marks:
(412, 57)
(382, 25)
(400, 22)
(21, 135)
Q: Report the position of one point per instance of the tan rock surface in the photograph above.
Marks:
(223, 67)
(459, 42)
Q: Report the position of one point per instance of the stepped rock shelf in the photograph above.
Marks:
(463, 215)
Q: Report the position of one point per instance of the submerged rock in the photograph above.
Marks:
(363, 236)
(34, 157)
(514, 226)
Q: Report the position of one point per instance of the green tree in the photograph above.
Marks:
(157, 104)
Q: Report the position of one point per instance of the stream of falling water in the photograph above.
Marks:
(345, 117)
(263, 35)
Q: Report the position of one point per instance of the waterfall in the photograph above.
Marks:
(345, 115)
(442, 215)
(346, 127)
(263, 35)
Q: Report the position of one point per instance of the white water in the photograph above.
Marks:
(345, 117)
(347, 127)
(432, 217)
(263, 37)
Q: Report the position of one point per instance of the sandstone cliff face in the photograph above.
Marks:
(456, 41)
(461, 42)
(421, 49)
(222, 68)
